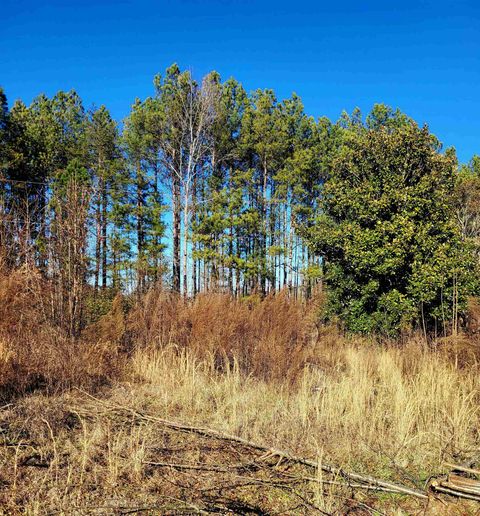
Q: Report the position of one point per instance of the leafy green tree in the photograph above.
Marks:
(467, 200)
(43, 138)
(69, 204)
(219, 195)
(3, 133)
(392, 251)
(186, 114)
(264, 144)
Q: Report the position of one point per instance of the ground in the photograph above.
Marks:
(372, 411)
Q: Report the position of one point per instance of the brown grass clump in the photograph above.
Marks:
(472, 319)
(270, 339)
(34, 352)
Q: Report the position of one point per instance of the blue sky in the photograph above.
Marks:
(421, 56)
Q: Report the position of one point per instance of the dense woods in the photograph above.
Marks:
(207, 188)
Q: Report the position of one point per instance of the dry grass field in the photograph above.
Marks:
(114, 423)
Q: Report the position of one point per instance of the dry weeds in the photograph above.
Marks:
(262, 372)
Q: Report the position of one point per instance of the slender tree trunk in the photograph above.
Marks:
(264, 243)
(185, 240)
(194, 244)
(104, 235)
(97, 244)
(176, 234)
(230, 255)
(140, 232)
(114, 271)
(42, 230)
(157, 275)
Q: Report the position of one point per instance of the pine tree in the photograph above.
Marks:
(103, 150)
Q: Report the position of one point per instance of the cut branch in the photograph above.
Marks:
(215, 434)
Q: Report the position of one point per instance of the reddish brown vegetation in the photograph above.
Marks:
(37, 353)
(271, 339)
(235, 365)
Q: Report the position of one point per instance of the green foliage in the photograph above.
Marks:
(262, 196)
(4, 127)
(393, 254)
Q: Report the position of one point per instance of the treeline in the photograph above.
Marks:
(205, 187)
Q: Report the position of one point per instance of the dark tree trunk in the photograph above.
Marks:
(176, 234)
(104, 235)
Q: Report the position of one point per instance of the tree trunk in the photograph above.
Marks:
(185, 241)
(176, 234)
(264, 229)
(140, 232)
(104, 235)
(97, 244)
(194, 245)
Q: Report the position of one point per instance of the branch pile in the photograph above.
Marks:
(459, 482)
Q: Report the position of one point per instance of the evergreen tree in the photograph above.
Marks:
(146, 201)
(103, 150)
(392, 251)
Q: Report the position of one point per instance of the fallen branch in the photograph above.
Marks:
(464, 469)
(454, 492)
(199, 467)
(366, 487)
(215, 434)
(457, 485)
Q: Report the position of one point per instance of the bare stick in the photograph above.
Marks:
(215, 434)
(459, 467)
(453, 492)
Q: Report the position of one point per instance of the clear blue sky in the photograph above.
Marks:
(420, 56)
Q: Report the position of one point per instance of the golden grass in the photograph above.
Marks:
(373, 410)
(262, 372)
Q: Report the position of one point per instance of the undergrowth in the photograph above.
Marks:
(263, 371)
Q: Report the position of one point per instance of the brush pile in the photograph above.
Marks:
(462, 482)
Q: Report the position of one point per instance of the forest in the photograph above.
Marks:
(206, 188)
(223, 305)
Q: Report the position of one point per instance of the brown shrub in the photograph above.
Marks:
(34, 352)
(270, 339)
(472, 316)
(110, 328)
(463, 350)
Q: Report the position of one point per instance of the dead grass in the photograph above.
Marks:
(269, 340)
(372, 408)
(263, 372)
(373, 411)
(35, 353)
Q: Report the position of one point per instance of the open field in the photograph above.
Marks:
(239, 258)
(93, 439)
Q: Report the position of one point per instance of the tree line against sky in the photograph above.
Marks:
(205, 187)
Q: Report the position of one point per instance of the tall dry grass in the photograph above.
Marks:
(35, 353)
(379, 411)
(270, 339)
(263, 371)
(370, 409)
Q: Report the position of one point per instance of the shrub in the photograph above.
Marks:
(269, 339)
(37, 354)
(393, 254)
